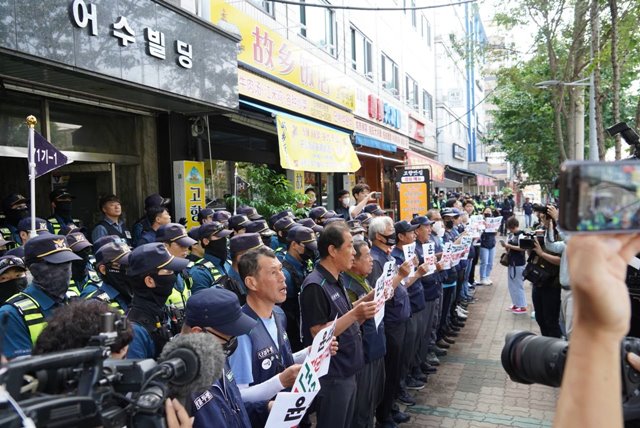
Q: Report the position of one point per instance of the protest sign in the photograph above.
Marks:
(466, 242)
(429, 252)
(446, 256)
(409, 254)
(320, 354)
(383, 284)
(289, 408)
(492, 224)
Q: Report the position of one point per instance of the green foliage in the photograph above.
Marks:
(270, 192)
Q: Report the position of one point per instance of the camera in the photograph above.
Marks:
(526, 240)
(528, 358)
(539, 208)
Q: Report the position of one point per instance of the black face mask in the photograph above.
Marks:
(217, 248)
(448, 224)
(309, 255)
(487, 215)
(63, 208)
(78, 270)
(11, 287)
(120, 281)
(389, 240)
(266, 240)
(158, 295)
(51, 278)
(14, 216)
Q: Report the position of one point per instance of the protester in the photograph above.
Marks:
(361, 193)
(487, 252)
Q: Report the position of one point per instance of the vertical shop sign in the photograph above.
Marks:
(189, 190)
(413, 185)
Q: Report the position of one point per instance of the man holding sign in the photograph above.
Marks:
(322, 299)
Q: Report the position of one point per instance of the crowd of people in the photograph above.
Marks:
(264, 288)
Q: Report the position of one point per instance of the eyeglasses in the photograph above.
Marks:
(230, 341)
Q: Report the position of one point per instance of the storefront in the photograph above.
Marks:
(102, 78)
(458, 179)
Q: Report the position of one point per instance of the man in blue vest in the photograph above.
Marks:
(116, 290)
(322, 299)
(143, 225)
(48, 258)
(111, 223)
(61, 205)
(215, 264)
(153, 269)
(156, 217)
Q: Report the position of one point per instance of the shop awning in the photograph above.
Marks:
(415, 160)
(374, 143)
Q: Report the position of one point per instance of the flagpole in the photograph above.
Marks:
(31, 123)
(235, 187)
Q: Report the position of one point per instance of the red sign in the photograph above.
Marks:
(416, 129)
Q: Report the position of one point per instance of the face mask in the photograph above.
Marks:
(308, 255)
(163, 288)
(50, 278)
(63, 208)
(448, 224)
(11, 287)
(487, 215)
(438, 228)
(217, 248)
(346, 202)
(14, 216)
(78, 270)
(389, 240)
(266, 240)
(120, 281)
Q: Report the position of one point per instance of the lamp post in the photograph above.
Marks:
(593, 140)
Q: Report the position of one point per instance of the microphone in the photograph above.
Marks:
(192, 363)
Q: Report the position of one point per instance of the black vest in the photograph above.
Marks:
(267, 359)
(111, 230)
(158, 330)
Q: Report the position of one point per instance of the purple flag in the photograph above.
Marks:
(47, 157)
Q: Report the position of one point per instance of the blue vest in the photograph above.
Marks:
(373, 340)
(398, 308)
(350, 357)
(432, 287)
(268, 359)
(416, 291)
(451, 275)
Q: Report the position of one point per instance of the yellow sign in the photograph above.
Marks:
(298, 181)
(259, 88)
(264, 49)
(413, 200)
(193, 191)
(307, 146)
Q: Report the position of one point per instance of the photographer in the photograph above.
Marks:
(602, 312)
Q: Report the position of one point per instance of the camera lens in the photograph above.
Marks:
(528, 358)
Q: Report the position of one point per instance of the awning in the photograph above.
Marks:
(450, 184)
(374, 143)
(461, 171)
(415, 160)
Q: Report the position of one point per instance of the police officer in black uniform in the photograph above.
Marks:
(62, 207)
(15, 207)
(116, 288)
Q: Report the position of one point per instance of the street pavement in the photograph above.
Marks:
(471, 389)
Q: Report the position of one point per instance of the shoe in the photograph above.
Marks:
(387, 424)
(472, 287)
(463, 305)
(400, 417)
(489, 282)
(458, 324)
(427, 368)
(519, 311)
(413, 384)
(453, 328)
(405, 398)
(443, 344)
(451, 333)
(511, 308)
(418, 375)
(461, 315)
(439, 352)
(449, 340)
(461, 309)
(432, 360)
(470, 301)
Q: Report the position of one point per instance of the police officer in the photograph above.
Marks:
(5, 246)
(174, 236)
(238, 223)
(61, 206)
(282, 227)
(260, 226)
(320, 215)
(111, 223)
(84, 278)
(13, 277)
(250, 212)
(275, 243)
(213, 238)
(303, 248)
(143, 225)
(307, 222)
(154, 271)
(156, 217)
(15, 207)
(216, 311)
(24, 228)
(48, 258)
(222, 216)
(264, 364)
(116, 288)
(205, 216)
(374, 210)
(322, 299)
(238, 246)
(196, 252)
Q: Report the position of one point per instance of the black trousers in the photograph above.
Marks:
(546, 303)
(394, 333)
(445, 311)
(474, 262)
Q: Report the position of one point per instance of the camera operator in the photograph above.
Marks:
(602, 312)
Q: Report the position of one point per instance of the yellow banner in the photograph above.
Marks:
(264, 49)
(306, 146)
(194, 191)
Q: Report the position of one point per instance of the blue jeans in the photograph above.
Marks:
(486, 261)
(527, 220)
(516, 286)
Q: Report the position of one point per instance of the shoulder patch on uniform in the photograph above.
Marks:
(203, 399)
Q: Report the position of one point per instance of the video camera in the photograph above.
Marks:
(528, 359)
(526, 240)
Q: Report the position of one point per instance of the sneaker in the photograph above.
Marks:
(400, 417)
(489, 282)
(427, 368)
(439, 352)
(519, 311)
(511, 308)
(442, 344)
(405, 398)
(460, 314)
(464, 311)
(448, 340)
(432, 359)
(417, 374)
(414, 384)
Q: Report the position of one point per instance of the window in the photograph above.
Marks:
(426, 30)
(414, 17)
(390, 76)
(427, 105)
(265, 5)
(361, 60)
(319, 26)
(411, 94)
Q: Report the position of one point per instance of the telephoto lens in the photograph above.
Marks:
(528, 358)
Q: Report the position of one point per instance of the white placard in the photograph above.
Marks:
(492, 224)
(446, 256)
(409, 254)
(466, 242)
(289, 408)
(383, 284)
(320, 355)
(429, 253)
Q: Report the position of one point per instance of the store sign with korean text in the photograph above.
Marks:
(384, 111)
(413, 186)
(415, 160)
(380, 133)
(264, 49)
(268, 92)
(416, 129)
(146, 42)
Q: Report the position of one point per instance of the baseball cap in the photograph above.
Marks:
(333, 220)
(259, 226)
(364, 218)
(238, 222)
(8, 262)
(250, 212)
(320, 212)
(60, 193)
(194, 233)
(68, 228)
(204, 213)
(155, 200)
(77, 241)
(303, 235)
(355, 226)
(174, 232)
(404, 227)
(449, 212)
(422, 220)
(17, 251)
(282, 214)
(12, 199)
(150, 258)
(374, 209)
(245, 242)
(24, 225)
(104, 240)
(4, 242)
(284, 224)
(307, 222)
(222, 216)
(219, 309)
(113, 252)
(214, 228)
(50, 248)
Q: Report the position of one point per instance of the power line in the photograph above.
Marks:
(458, 119)
(371, 9)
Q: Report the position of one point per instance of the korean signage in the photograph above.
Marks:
(189, 189)
(259, 88)
(47, 157)
(144, 43)
(383, 110)
(418, 161)
(307, 146)
(380, 133)
(416, 129)
(414, 186)
(266, 50)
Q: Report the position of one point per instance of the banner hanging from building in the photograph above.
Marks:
(189, 189)
(307, 146)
